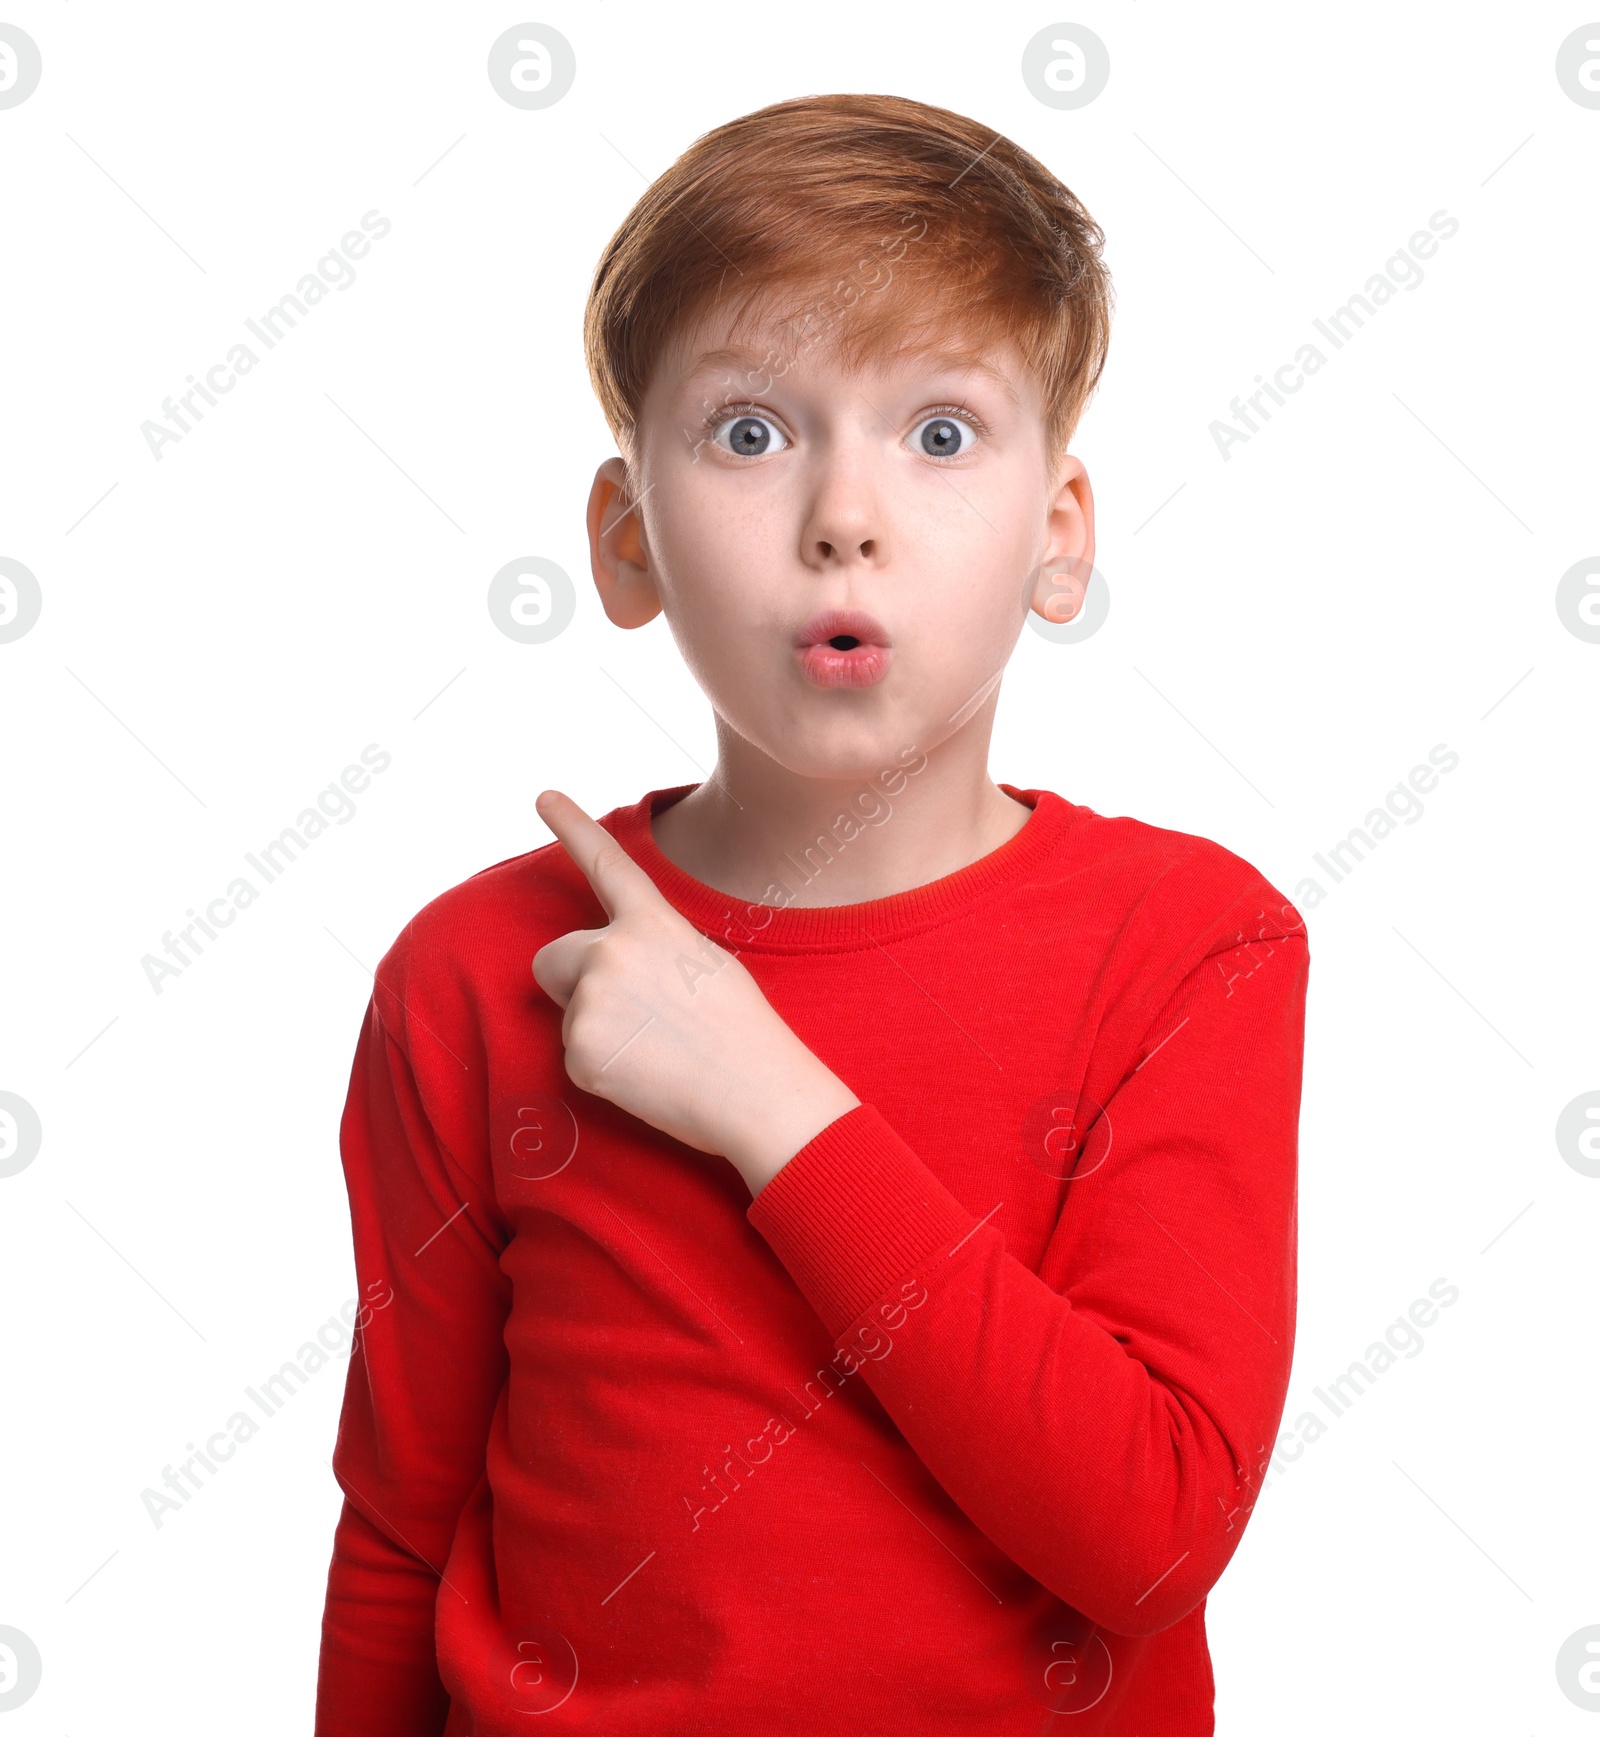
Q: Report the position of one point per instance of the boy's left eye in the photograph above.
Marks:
(944, 436)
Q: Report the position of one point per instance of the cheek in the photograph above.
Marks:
(720, 567)
(971, 582)
(701, 542)
(982, 515)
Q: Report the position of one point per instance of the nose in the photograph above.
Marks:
(843, 525)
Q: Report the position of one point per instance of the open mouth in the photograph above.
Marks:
(843, 648)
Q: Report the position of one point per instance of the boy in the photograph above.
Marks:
(849, 1285)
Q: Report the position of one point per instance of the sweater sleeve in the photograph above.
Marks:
(1105, 1419)
(419, 1395)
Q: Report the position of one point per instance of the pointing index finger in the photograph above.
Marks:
(616, 878)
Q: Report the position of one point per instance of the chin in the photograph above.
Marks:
(841, 750)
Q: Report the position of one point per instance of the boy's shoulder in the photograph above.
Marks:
(1156, 880)
(1163, 914)
(473, 944)
(520, 895)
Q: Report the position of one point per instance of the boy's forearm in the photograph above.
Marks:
(1104, 1420)
(377, 1674)
(1094, 1472)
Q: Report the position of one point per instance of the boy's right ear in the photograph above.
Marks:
(617, 554)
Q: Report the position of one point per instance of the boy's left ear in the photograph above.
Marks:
(1061, 580)
(618, 557)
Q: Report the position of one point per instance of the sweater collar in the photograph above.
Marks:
(784, 928)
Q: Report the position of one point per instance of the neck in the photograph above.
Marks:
(840, 841)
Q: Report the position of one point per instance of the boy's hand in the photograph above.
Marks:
(669, 1026)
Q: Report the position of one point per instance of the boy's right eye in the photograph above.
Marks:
(749, 436)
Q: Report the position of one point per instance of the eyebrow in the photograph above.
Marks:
(965, 361)
(745, 360)
(961, 361)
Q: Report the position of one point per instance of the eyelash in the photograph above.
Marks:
(732, 412)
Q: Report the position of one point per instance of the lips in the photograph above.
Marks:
(843, 648)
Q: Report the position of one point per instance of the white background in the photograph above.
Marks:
(1291, 630)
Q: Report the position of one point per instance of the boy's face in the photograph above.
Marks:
(774, 487)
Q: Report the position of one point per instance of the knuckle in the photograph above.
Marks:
(581, 1068)
(605, 954)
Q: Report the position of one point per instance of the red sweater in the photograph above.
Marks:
(949, 1430)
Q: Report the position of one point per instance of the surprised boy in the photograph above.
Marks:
(848, 1283)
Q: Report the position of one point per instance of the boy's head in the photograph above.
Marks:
(843, 343)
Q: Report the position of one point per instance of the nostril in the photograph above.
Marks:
(844, 642)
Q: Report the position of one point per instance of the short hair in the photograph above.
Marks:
(818, 204)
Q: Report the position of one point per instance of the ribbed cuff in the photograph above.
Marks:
(854, 1212)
